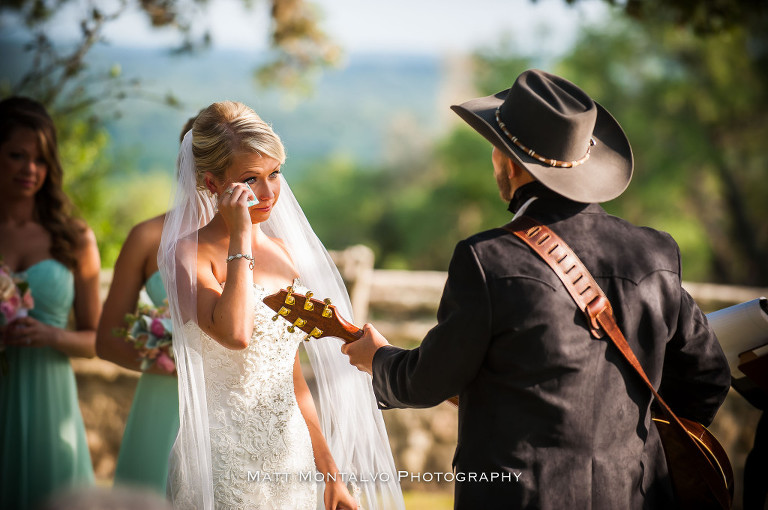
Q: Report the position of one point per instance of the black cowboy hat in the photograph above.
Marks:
(560, 135)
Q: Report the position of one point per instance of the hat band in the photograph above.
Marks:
(532, 153)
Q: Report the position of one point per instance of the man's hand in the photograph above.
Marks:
(361, 351)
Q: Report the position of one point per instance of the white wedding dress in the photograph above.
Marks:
(261, 453)
(242, 437)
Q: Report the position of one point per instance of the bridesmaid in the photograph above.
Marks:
(153, 421)
(42, 437)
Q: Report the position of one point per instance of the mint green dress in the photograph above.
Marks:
(42, 436)
(152, 423)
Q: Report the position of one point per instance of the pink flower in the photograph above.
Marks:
(157, 328)
(7, 310)
(10, 307)
(165, 363)
(15, 302)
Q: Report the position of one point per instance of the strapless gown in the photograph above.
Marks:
(153, 422)
(261, 452)
(42, 436)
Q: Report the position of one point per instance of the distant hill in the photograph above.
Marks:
(350, 113)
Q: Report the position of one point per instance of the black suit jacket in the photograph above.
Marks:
(552, 417)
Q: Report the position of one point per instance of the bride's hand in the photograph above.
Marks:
(337, 497)
(233, 207)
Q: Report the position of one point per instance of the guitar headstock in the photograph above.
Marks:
(316, 318)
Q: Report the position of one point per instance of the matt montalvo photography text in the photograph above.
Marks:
(428, 477)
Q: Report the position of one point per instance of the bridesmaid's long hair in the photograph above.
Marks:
(52, 206)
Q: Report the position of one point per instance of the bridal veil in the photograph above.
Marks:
(351, 421)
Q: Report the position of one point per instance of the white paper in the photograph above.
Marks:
(740, 328)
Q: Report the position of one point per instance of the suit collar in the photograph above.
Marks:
(547, 200)
(534, 189)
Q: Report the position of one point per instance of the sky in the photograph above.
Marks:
(455, 26)
(388, 26)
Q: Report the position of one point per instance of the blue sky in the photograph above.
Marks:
(388, 26)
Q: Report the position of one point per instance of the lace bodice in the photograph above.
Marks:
(260, 445)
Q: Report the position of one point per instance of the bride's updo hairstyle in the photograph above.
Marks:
(228, 128)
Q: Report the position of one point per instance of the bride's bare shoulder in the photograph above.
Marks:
(284, 254)
(280, 243)
(210, 239)
(197, 249)
(283, 249)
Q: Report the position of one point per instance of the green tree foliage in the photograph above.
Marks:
(704, 17)
(696, 112)
(110, 196)
(412, 212)
(455, 198)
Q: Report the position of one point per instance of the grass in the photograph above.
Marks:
(427, 500)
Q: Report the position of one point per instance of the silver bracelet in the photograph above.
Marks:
(241, 256)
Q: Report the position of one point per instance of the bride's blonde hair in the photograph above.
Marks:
(225, 129)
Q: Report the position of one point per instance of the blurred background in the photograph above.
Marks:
(360, 93)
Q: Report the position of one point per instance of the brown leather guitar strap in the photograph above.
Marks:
(591, 300)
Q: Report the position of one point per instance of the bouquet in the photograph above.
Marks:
(15, 301)
(149, 331)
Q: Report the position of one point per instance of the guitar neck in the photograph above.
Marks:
(316, 318)
(349, 332)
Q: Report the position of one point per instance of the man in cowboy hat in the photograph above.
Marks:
(550, 417)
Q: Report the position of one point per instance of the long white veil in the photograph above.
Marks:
(351, 421)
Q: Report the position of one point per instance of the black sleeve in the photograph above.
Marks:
(696, 377)
(451, 354)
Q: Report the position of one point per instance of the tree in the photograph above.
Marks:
(704, 17)
(696, 112)
(411, 211)
(58, 73)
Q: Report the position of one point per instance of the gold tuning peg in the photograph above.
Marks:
(314, 334)
(308, 304)
(297, 324)
(327, 312)
(282, 312)
(289, 299)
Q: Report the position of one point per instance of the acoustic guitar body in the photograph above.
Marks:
(693, 492)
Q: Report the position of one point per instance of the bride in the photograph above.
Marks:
(250, 435)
